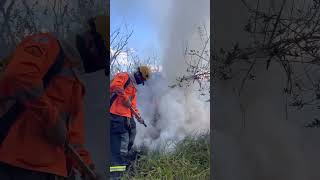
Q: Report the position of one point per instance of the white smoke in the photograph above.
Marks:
(173, 113)
(180, 111)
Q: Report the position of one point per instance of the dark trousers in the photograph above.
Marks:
(121, 138)
(132, 135)
(8, 172)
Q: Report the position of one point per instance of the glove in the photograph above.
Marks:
(141, 120)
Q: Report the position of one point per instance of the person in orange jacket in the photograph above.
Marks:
(40, 82)
(123, 96)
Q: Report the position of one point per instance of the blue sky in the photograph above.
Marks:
(138, 18)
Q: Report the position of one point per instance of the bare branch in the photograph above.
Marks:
(292, 41)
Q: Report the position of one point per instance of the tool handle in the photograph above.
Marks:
(137, 115)
(134, 112)
(144, 124)
(80, 162)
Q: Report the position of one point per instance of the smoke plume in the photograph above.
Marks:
(173, 113)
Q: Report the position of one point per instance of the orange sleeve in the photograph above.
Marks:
(118, 83)
(76, 128)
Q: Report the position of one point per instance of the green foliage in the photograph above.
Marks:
(190, 160)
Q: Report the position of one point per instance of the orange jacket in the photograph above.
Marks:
(26, 145)
(118, 107)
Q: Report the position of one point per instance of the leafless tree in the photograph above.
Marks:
(290, 40)
(119, 39)
(124, 58)
(198, 64)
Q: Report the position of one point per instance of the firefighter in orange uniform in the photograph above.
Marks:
(123, 96)
(41, 104)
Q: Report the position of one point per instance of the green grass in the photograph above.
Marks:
(190, 160)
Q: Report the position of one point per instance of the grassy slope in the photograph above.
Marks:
(191, 160)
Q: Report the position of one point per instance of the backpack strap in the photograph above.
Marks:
(114, 95)
(10, 117)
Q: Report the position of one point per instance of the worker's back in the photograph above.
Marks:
(28, 144)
